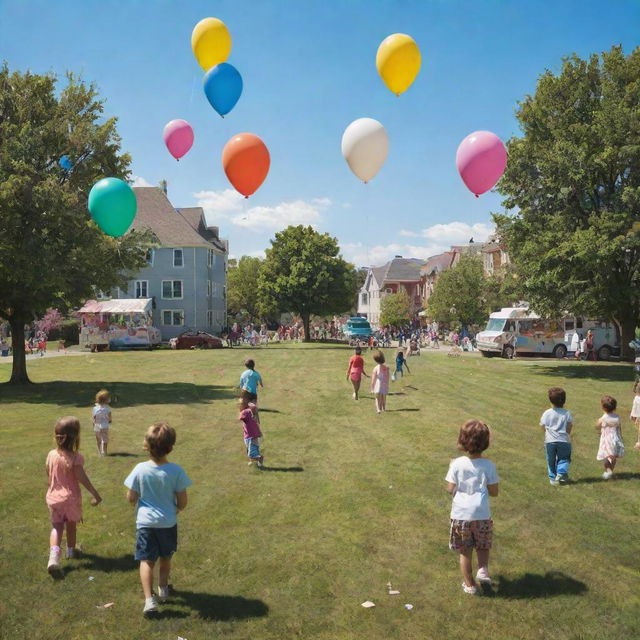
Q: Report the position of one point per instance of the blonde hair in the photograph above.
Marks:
(67, 433)
(159, 439)
(103, 397)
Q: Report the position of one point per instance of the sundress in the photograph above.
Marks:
(611, 444)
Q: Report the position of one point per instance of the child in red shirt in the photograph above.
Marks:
(356, 371)
(251, 429)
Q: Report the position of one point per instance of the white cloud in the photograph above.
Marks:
(455, 232)
(139, 181)
(218, 205)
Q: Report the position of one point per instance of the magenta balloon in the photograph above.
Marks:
(481, 160)
(178, 136)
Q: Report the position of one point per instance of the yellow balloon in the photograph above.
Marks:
(211, 42)
(398, 61)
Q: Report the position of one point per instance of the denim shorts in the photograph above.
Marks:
(253, 447)
(153, 543)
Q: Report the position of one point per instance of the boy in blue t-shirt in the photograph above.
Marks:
(557, 423)
(158, 489)
(249, 381)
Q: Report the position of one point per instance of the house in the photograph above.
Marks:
(186, 272)
(431, 271)
(397, 274)
(494, 258)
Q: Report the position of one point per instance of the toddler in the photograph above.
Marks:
(635, 412)
(356, 371)
(251, 430)
(102, 420)
(400, 362)
(557, 423)
(471, 480)
(66, 473)
(158, 490)
(611, 446)
(380, 381)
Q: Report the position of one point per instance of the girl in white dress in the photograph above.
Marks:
(611, 446)
(635, 413)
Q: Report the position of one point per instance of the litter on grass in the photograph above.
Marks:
(408, 606)
(91, 578)
(368, 604)
(105, 606)
(394, 592)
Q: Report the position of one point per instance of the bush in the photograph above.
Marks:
(69, 331)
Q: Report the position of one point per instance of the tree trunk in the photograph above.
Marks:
(305, 324)
(627, 334)
(19, 370)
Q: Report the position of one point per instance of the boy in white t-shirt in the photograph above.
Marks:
(557, 423)
(471, 479)
(102, 420)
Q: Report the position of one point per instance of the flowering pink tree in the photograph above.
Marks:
(52, 320)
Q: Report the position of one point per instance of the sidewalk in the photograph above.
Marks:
(48, 354)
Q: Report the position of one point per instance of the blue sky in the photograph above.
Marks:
(309, 70)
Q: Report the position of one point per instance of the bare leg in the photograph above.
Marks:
(165, 568)
(98, 443)
(356, 387)
(483, 558)
(378, 403)
(383, 401)
(146, 577)
(466, 566)
(56, 534)
(72, 528)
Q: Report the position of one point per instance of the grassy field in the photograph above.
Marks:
(350, 501)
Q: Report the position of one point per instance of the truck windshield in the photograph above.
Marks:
(495, 324)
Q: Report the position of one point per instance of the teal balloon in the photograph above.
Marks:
(223, 87)
(112, 204)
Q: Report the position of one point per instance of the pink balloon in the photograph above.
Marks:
(178, 136)
(481, 160)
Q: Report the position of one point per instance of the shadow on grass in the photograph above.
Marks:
(92, 562)
(406, 409)
(283, 469)
(213, 607)
(625, 475)
(532, 585)
(580, 370)
(269, 410)
(123, 394)
(123, 454)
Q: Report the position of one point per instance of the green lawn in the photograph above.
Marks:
(350, 502)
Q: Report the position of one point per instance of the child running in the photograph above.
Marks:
(557, 423)
(64, 499)
(380, 382)
(471, 480)
(249, 381)
(635, 413)
(158, 490)
(102, 420)
(356, 371)
(400, 362)
(251, 431)
(611, 446)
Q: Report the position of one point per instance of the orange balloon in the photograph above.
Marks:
(246, 160)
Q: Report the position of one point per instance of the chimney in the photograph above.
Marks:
(163, 186)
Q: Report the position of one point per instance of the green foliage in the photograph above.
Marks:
(242, 288)
(573, 180)
(395, 309)
(51, 252)
(304, 273)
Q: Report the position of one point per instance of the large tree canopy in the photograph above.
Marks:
(242, 288)
(573, 183)
(304, 273)
(395, 309)
(51, 252)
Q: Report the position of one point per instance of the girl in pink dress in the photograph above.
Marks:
(611, 446)
(66, 473)
(380, 381)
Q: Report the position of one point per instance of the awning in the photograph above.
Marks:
(119, 305)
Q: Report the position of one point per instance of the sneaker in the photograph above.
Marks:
(483, 576)
(150, 606)
(553, 482)
(562, 478)
(353, 395)
(259, 464)
(607, 474)
(471, 590)
(165, 593)
(54, 560)
(70, 553)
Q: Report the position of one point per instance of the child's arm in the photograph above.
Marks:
(132, 497)
(569, 427)
(181, 499)
(493, 489)
(349, 370)
(406, 365)
(83, 479)
(452, 487)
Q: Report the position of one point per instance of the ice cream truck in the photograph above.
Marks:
(118, 324)
(519, 330)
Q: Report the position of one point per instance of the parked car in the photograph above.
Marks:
(195, 340)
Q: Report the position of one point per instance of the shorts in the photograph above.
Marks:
(253, 447)
(153, 543)
(248, 396)
(466, 534)
(102, 435)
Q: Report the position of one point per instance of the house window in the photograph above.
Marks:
(388, 290)
(211, 258)
(210, 318)
(209, 290)
(173, 317)
(224, 291)
(101, 295)
(172, 289)
(142, 288)
(364, 298)
(178, 258)
(149, 256)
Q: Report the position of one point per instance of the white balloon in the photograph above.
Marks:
(365, 145)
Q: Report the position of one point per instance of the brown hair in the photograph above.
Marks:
(103, 396)
(159, 439)
(557, 397)
(358, 351)
(250, 364)
(608, 403)
(67, 433)
(378, 356)
(473, 437)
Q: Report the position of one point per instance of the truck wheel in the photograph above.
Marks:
(560, 352)
(604, 352)
(507, 352)
(487, 354)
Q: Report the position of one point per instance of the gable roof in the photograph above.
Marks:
(171, 226)
(398, 270)
(438, 263)
(195, 217)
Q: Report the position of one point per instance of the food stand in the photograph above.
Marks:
(118, 324)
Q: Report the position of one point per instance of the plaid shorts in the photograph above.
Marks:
(471, 533)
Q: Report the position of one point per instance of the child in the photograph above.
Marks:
(66, 473)
(400, 361)
(251, 429)
(611, 445)
(380, 381)
(635, 413)
(158, 489)
(102, 420)
(356, 371)
(249, 381)
(471, 480)
(557, 423)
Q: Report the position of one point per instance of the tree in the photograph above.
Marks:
(51, 252)
(51, 320)
(395, 309)
(304, 273)
(242, 288)
(573, 184)
(462, 294)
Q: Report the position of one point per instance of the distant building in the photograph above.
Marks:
(494, 258)
(186, 274)
(431, 271)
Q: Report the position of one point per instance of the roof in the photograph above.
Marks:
(470, 248)
(195, 217)
(398, 270)
(438, 263)
(118, 305)
(173, 227)
(514, 312)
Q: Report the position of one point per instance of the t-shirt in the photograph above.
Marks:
(249, 381)
(63, 484)
(101, 415)
(356, 363)
(471, 477)
(156, 486)
(555, 422)
(635, 409)
(249, 424)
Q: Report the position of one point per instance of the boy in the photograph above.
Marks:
(249, 381)
(158, 488)
(557, 423)
(251, 431)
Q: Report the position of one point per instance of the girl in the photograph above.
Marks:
(635, 413)
(380, 381)
(251, 429)
(611, 445)
(102, 420)
(400, 362)
(471, 479)
(356, 371)
(66, 473)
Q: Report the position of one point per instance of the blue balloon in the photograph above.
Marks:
(223, 87)
(65, 163)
